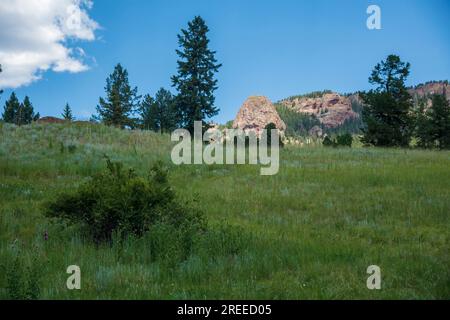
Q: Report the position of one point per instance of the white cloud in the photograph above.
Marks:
(35, 35)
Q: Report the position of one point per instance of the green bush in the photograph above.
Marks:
(344, 140)
(328, 142)
(120, 202)
(269, 127)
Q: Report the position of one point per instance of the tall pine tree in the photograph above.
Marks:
(388, 108)
(12, 105)
(121, 100)
(195, 80)
(67, 113)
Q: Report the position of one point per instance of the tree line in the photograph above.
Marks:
(194, 82)
(19, 113)
(123, 107)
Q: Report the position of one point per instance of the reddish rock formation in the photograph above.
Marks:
(331, 109)
(256, 113)
(438, 87)
(428, 89)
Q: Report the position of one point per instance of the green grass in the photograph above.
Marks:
(309, 232)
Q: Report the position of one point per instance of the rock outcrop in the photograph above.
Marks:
(438, 87)
(331, 109)
(256, 113)
(426, 90)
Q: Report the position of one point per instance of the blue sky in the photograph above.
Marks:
(272, 48)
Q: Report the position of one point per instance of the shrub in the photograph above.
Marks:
(118, 201)
(269, 127)
(328, 142)
(345, 140)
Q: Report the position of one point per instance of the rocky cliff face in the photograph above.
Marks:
(331, 109)
(428, 89)
(256, 113)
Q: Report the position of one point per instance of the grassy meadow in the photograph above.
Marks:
(309, 232)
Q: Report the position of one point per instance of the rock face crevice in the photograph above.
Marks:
(256, 113)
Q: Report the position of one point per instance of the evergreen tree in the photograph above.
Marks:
(433, 126)
(25, 114)
(387, 113)
(159, 114)
(67, 113)
(164, 102)
(195, 78)
(422, 128)
(149, 114)
(121, 100)
(11, 108)
(30, 116)
(440, 120)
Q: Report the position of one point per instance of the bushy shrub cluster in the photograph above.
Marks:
(118, 201)
(344, 140)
